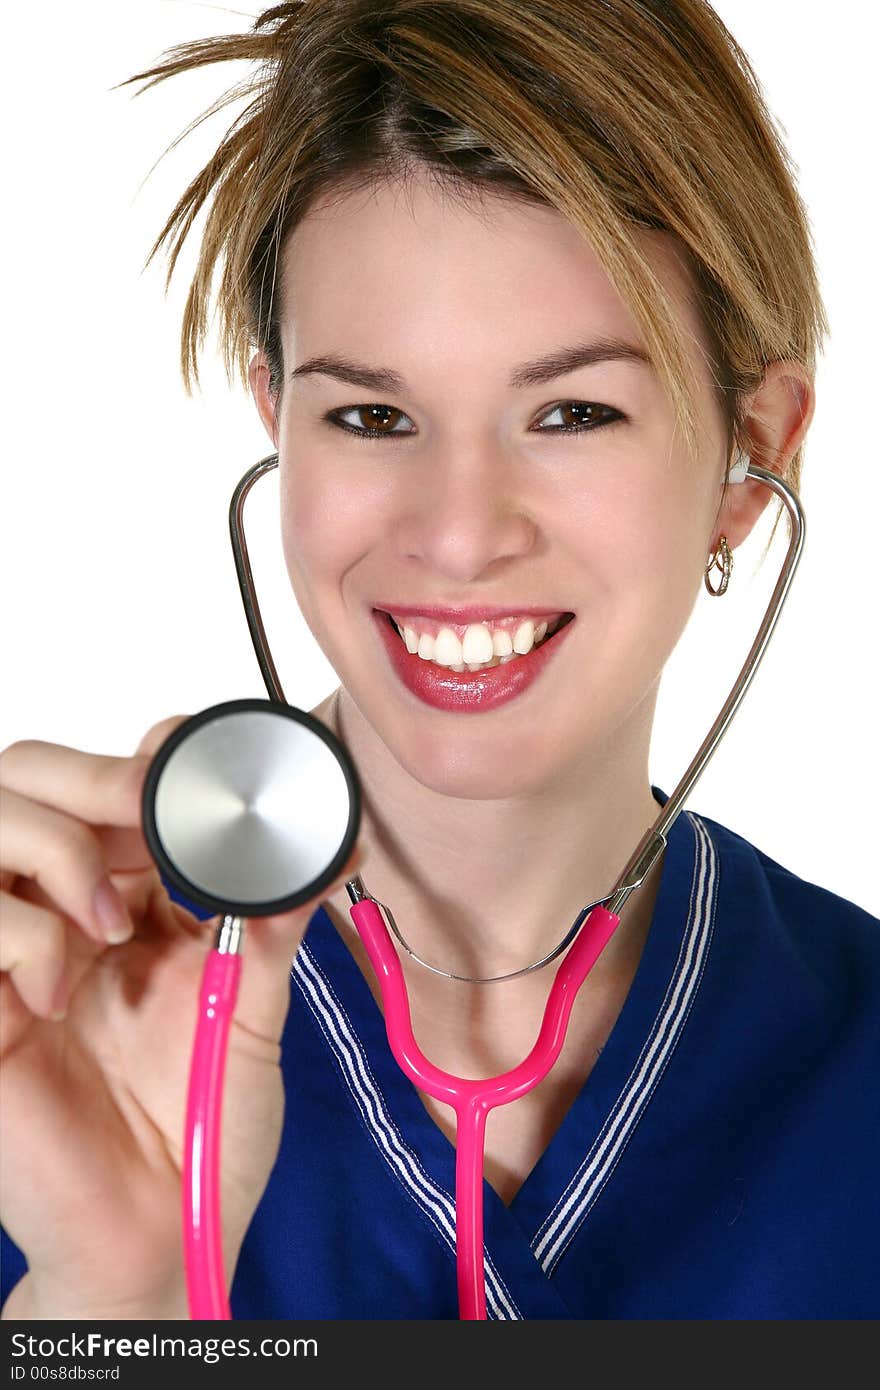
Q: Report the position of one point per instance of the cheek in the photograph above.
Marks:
(639, 543)
(638, 528)
(321, 523)
(328, 522)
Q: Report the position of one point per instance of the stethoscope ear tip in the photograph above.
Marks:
(738, 472)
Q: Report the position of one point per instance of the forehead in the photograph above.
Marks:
(411, 263)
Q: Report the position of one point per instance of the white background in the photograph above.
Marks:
(120, 604)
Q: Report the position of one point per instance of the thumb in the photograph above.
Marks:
(269, 948)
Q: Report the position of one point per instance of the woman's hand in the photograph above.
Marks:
(98, 1003)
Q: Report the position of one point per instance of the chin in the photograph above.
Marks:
(476, 769)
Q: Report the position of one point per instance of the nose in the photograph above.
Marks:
(466, 514)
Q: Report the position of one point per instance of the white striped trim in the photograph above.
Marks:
(436, 1203)
(558, 1230)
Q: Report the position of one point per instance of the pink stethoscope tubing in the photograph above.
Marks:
(471, 1101)
(202, 1217)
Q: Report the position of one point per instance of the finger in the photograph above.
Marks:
(33, 955)
(154, 737)
(93, 787)
(125, 851)
(63, 856)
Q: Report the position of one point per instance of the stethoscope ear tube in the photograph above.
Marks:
(245, 574)
(655, 838)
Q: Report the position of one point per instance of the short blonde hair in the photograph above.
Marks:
(620, 114)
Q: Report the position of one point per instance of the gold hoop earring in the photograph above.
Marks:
(721, 560)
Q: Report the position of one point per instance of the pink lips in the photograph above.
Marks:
(466, 691)
(468, 613)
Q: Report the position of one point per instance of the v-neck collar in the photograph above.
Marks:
(526, 1240)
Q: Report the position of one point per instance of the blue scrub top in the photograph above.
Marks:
(721, 1160)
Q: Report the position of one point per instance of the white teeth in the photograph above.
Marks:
(481, 647)
(477, 645)
(447, 648)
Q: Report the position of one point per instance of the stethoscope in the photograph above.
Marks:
(251, 808)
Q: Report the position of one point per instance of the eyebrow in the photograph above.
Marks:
(542, 369)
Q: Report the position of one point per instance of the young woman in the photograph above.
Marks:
(513, 285)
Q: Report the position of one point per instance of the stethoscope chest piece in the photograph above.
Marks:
(251, 807)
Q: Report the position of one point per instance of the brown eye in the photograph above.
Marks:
(381, 421)
(577, 416)
(370, 421)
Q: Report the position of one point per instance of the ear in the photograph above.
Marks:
(779, 415)
(266, 403)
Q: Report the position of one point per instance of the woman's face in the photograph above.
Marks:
(473, 495)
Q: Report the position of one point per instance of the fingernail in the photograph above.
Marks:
(112, 913)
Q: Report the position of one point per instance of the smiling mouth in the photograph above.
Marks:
(448, 647)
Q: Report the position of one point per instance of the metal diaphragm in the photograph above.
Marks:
(251, 808)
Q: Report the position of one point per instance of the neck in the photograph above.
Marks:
(481, 888)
